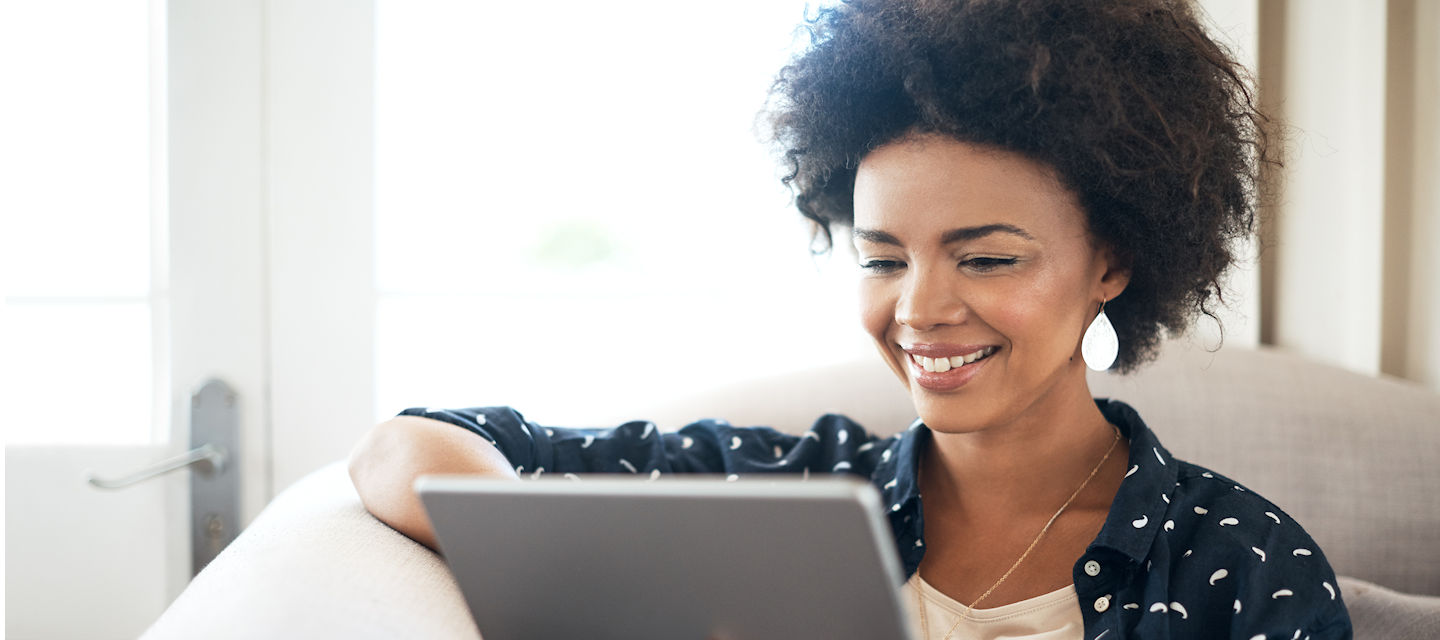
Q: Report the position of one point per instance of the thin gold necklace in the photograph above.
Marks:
(920, 601)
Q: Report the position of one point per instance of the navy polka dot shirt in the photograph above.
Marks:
(1184, 552)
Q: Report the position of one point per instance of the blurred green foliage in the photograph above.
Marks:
(574, 245)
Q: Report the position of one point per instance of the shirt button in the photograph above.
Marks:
(1102, 603)
(1092, 568)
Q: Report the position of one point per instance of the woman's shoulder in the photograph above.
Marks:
(1203, 518)
(1215, 506)
(1225, 544)
(1211, 551)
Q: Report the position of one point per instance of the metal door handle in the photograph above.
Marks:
(215, 485)
(210, 458)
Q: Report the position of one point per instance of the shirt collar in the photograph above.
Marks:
(1138, 512)
(1135, 517)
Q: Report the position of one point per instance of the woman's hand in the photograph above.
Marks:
(386, 462)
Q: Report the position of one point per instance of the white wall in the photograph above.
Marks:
(1350, 274)
(319, 134)
(1328, 87)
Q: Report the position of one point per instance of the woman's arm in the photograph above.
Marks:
(386, 462)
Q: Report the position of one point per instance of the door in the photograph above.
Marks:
(135, 268)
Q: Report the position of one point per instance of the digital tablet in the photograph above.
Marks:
(763, 558)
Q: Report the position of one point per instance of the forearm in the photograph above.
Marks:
(386, 462)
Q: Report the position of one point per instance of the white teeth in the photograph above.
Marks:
(941, 365)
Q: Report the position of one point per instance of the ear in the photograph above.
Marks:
(1113, 272)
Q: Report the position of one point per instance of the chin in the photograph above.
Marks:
(950, 414)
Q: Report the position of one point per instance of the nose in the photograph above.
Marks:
(929, 299)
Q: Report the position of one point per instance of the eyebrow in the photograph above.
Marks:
(951, 236)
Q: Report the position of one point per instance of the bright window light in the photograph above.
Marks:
(77, 363)
(574, 211)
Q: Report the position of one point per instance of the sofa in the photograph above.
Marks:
(1355, 459)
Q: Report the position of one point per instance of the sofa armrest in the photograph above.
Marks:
(1378, 613)
(315, 564)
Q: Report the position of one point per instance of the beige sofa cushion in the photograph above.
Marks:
(315, 564)
(1353, 458)
(1383, 614)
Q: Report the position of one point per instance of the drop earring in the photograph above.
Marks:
(1100, 345)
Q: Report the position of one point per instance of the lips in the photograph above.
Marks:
(947, 367)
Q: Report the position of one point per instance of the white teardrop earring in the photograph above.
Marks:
(1100, 345)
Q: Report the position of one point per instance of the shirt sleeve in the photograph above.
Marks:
(833, 444)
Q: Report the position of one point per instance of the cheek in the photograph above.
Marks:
(1034, 316)
(877, 308)
(1012, 312)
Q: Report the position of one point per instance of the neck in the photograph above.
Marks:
(1028, 467)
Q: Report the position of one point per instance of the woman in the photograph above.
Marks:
(1030, 186)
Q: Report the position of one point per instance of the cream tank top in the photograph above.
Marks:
(1053, 616)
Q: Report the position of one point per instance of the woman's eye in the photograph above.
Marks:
(986, 263)
(881, 266)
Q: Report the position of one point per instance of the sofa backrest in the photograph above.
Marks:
(1353, 458)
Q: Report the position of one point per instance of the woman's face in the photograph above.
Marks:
(979, 278)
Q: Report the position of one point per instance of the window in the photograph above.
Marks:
(574, 213)
(83, 236)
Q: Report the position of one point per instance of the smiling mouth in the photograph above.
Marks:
(941, 365)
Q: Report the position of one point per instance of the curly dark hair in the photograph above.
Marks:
(1142, 115)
